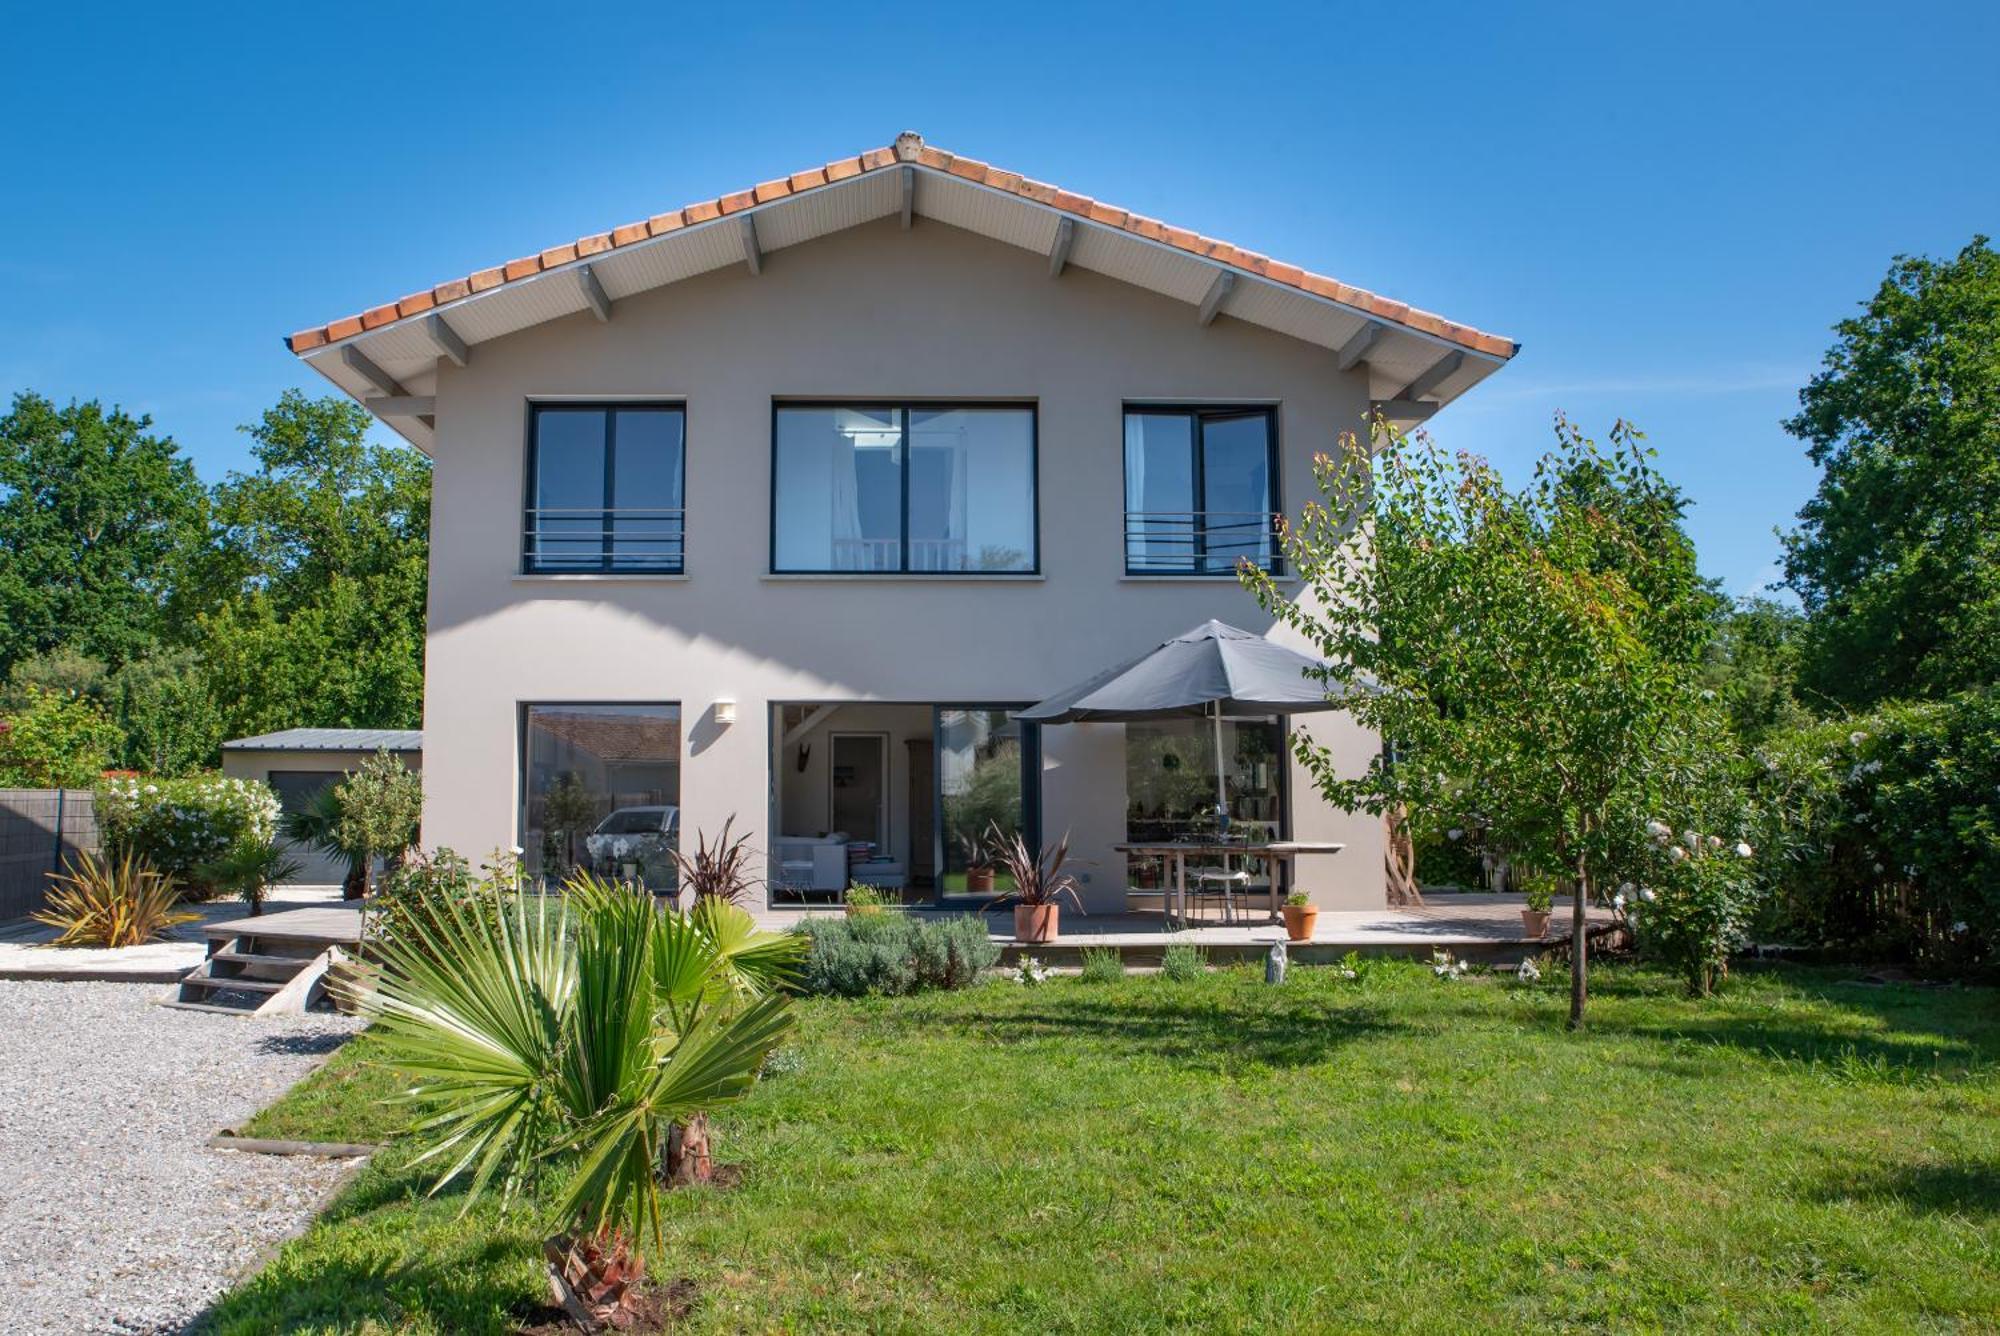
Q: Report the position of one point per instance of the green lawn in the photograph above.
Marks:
(1799, 1154)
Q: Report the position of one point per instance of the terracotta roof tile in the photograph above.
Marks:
(910, 148)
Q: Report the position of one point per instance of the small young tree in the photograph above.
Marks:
(1527, 647)
(380, 806)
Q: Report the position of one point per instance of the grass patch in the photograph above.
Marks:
(1389, 1152)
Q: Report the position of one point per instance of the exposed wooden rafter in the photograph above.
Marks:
(909, 197)
(1355, 350)
(593, 292)
(1436, 374)
(403, 405)
(446, 338)
(364, 366)
(1059, 252)
(1218, 292)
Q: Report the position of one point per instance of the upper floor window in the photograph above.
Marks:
(903, 488)
(604, 489)
(1200, 490)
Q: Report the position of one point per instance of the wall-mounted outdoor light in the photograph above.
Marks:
(725, 712)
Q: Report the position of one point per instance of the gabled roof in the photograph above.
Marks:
(333, 739)
(1416, 360)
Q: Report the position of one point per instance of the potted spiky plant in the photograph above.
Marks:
(580, 1038)
(1039, 884)
(978, 865)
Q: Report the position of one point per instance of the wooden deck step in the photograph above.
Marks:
(234, 957)
(233, 983)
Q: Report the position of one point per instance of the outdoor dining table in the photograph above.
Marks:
(1176, 853)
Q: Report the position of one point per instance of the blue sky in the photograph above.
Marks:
(1668, 205)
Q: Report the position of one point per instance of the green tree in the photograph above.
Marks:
(1753, 668)
(55, 742)
(314, 587)
(63, 671)
(1533, 648)
(162, 703)
(97, 519)
(381, 804)
(1897, 555)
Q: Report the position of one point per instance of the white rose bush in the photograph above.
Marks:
(183, 825)
(1694, 903)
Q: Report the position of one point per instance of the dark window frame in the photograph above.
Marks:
(1197, 413)
(530, 565)
(522, 711)
(904, 407)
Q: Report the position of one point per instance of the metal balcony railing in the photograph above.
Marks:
(886, 554)
(561, 540)
(1199, 542)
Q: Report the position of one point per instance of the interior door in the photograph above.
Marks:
(858, 779)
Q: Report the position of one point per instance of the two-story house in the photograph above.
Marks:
(774, 506)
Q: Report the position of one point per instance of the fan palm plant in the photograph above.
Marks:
(250, 868)
(321, 823)
(567, 1038)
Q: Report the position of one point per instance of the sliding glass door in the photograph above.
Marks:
(988, 765)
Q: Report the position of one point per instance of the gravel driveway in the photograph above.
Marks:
(113, 1216)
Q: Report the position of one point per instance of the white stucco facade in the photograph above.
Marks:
(873, 312)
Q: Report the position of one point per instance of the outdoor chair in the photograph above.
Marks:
(1218, 883)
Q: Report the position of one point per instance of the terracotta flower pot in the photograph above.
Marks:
(978, 880)
(1535, 922)
(1299, 920)
(1035, 923)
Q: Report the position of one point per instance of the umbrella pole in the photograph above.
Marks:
(1221, 793)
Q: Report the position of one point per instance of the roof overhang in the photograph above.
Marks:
(387, 358)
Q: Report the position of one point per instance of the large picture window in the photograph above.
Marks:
(903, 488)
(604, 489)
(601, 790)
(1200, 490)
(1170, 778)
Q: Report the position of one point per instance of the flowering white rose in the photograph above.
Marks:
(1743, 849)
(1646, 894)
(1678, 854)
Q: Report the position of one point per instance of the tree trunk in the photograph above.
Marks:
(688, 1159)
(355, 884)
(595, 1279)
(1400, 855)
(1579, 942)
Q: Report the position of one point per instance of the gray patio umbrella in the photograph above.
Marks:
(1207, 672)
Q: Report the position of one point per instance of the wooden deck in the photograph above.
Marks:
(1478, 927)
(1471, 926)
(336, 924)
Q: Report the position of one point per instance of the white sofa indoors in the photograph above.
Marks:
(810, 863)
